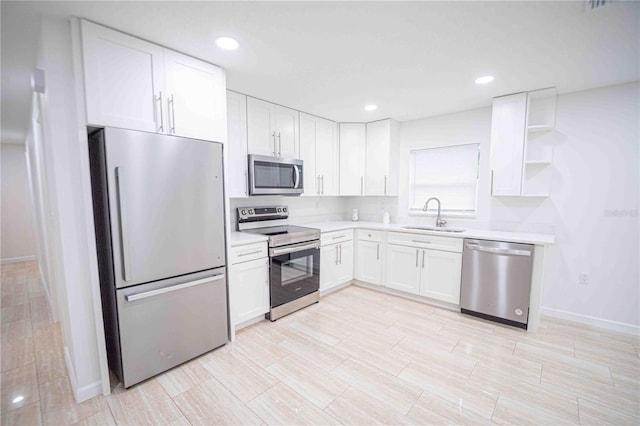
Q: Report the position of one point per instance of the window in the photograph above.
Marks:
(447, 173)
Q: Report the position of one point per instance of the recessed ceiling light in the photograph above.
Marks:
(17, 399)
(484, 79)
(371, 107)
(227, 43)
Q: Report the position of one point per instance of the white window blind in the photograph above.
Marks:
(447, 173)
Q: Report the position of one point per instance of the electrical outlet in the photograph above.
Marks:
(583, 278)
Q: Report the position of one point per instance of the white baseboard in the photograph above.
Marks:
(17, 259)
(82, 393)
(620, 327)
(334, 289)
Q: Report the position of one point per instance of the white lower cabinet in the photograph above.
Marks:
(336, 264)
(249, 290)
(403, 271)
(430, 273)
(440, 275)
(369, 256)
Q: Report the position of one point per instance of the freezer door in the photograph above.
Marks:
(164, 324)
(166, 205)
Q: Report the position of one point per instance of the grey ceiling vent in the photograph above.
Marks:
(590, 5)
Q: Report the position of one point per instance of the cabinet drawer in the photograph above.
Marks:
(369, 235)
(426, 241)
(336, 237)
(248, 252)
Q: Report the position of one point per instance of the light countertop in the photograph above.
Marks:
(241, 238)
(516, 237)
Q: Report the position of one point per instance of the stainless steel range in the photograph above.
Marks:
(294, 258)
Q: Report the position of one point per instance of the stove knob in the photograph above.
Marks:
(250, 211)
(279, 210)
(243, 212)
(284, 209)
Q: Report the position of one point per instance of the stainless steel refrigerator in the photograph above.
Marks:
(159, 215)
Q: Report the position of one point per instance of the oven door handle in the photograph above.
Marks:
(287, 250)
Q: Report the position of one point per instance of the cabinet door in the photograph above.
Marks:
(237, 180)
(196, 98)
(249, 290)
(261, 125)
(507, 143)
(345, 262)
(352, 158)
(308, 154)
(287, 126)
(327, 157)
(369, 262)
(329, 266)
(440, 278)
(376, 179)
(123, 79)
(403, 271)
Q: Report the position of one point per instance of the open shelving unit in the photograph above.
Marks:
(539, 143)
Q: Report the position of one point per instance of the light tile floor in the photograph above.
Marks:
(357, 357)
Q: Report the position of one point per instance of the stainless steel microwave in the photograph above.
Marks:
(275, 176)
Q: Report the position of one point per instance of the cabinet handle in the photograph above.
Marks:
(337, 254)
(385, 185)
(340, 251)
(361, 185)
(421, 241)
(322, 180)
(246, 184)
(417, 257)
(172, 116)
(161, 129)
(318, 183)
(249, 253)
(377, 251)
(423, 252)
(275, 145)
(279, 145)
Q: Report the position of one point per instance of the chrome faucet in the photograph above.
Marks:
(439, 221)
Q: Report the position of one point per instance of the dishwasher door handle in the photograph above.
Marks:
(499, 250)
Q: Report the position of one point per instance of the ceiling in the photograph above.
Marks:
(413, 59)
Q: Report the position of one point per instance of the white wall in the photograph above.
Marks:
(595, 170)
(66, 164)
(16, 216)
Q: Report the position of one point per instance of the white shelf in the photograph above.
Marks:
(539, 128)
(539, 195)
(538, 163)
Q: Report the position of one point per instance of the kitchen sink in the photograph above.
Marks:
(433, 228)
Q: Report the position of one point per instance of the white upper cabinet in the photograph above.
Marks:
(237, 178)
(196, 97)
(124, 79)
(352, 158)
(134, 84)
(381, 177)
(272, 129)
(522, 141)
(507, 143)
(319, 151)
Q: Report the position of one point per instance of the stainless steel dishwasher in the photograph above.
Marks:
(496, 281)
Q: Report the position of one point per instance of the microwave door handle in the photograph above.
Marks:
(296, 177)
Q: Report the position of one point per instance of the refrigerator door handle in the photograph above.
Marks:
(122, 214)
(138, 296)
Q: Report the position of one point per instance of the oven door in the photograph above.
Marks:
(295, 272)
(275, 176)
